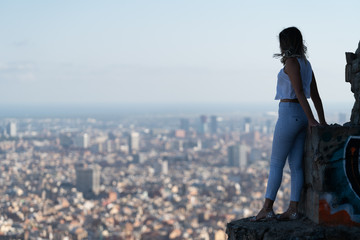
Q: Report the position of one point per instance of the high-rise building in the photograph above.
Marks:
(139, 158)
(66, 140)
(134, 142)
(164, 167)
(88, 180)
(247, 125)
(81, 140)
(238, 155)
(255, 155)
(244, 151)
(203, 128)
(11, 129)
(270, 126)
(184, 124)
(213, 124)
(109, 146)
(233, 155)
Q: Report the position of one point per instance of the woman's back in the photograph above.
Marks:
(285, 90)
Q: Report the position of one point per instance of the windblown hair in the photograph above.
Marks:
(291, 44)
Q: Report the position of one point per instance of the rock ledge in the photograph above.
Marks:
(300, 229)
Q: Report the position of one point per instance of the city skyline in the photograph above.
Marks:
(166, 52)
(155, 178)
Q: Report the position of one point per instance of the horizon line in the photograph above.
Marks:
(154, 103)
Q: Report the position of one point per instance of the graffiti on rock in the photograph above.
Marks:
(352, 164)
(340, 202)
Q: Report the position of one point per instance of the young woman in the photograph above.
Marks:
(296, 82)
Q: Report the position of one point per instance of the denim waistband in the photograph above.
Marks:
(290, 107)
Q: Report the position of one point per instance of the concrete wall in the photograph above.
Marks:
(331, 193)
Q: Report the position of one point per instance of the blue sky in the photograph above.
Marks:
(166, 51)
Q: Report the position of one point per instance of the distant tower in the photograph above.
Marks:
(234, 155)
(244, 149)
(139, 158)
(184, 124)
(213, 124)
(247, 124)
(88, 180)
(199, 144)
(109, 146)
(237, 156)
(255, 154)
(165, 167)
(203, 128)
(11, 129)
(134, 142)
(82, 140)
(269, 126)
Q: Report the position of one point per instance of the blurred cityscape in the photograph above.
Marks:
(134, 177)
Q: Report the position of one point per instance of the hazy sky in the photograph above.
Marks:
(166, 51)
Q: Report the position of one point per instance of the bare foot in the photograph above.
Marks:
(290, 214)
(264, 214)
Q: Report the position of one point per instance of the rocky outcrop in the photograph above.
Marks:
(288, 230)
(331, 192)
(352, 75)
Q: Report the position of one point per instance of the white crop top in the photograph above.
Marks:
(284, 89)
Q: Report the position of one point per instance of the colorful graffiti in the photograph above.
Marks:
(340, 202)
(352, 163)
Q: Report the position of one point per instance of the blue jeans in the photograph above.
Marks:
(288, 142)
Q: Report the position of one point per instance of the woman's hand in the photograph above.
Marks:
(313, 123)
(324, 124)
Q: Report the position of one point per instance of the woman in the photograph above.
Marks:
(296, 82)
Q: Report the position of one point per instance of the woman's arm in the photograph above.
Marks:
(317, 100)
(292, 69)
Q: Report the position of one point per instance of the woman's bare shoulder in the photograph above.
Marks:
(292, 61)
(292, 64)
